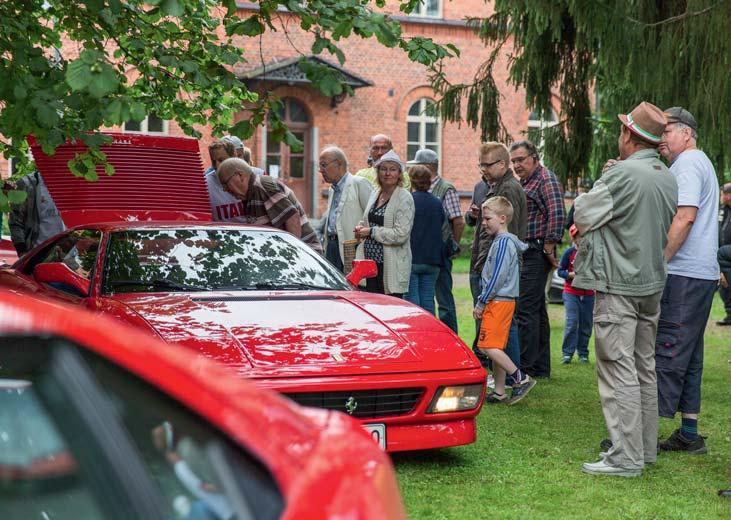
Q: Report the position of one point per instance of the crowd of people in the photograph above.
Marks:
(642, 269)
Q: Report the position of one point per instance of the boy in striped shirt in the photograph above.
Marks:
(496, 303)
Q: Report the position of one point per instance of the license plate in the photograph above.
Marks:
(378, 432)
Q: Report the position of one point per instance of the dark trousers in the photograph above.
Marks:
(725, 293)
(684, 309)
(445, 298)
(533, 326)
(332, 253)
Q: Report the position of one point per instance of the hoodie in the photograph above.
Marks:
(501, 273)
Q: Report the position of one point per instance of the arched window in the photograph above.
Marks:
(422, 128)
(292, 167)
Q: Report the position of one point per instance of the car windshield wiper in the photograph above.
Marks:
(160, 283)
(284, 286)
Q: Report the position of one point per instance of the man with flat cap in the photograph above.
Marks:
(624, 222)
(692, 279)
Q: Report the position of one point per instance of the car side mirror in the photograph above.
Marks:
(62, 277)
(361, 269)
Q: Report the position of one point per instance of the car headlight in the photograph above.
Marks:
(455, 398)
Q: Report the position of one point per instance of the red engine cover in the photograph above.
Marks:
(155, 178)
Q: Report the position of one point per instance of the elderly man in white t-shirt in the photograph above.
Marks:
(692, 278)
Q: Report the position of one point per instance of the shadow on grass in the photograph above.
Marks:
(427, 458)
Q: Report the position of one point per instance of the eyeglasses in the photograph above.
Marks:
(225, 184)
(486, 165)
(516, 160)
(324, 165)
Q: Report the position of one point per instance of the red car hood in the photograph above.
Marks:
(284, 334)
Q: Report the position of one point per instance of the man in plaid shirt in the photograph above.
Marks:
(266, 202)
(544, 198)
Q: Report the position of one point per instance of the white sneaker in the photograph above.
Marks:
(490, 381)
(602, 468)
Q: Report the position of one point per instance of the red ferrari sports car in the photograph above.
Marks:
(98, 420)
(257, 300)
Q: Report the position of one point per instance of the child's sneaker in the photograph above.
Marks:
(521, 390)
(583, 360)
(494, 398)
(566, 360)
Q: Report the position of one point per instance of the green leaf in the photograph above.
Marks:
(137, 111)
(243, 129)
(89, 56)
(172, 7)
(47, 115)
(19, 92)
(249, 27)
(113, 112)
(78, 75)
(17, 196)
(104, 82)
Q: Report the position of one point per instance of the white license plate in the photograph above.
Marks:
(378, 432)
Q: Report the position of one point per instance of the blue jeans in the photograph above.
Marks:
(579, 321)
(445, 298)
(421, 286)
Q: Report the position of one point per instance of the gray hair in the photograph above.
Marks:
(337, 153)
(231, 167)
(693, 133)
(529, 146)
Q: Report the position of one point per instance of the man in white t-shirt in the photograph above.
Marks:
(692, 278)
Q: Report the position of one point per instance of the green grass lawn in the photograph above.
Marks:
(527, 460)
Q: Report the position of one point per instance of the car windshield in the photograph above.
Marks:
(175, 260)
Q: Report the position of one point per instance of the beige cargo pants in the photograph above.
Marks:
(625, 329)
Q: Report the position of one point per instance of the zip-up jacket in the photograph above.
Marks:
(501, 273)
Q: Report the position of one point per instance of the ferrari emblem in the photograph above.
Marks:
(350, 405)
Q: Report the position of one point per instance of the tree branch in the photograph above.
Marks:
(673, 19)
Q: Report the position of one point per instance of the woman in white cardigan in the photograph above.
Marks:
(386, 233)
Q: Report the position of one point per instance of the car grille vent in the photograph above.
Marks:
(368, 404)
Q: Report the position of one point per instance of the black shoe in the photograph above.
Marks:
(494, 397)
(725, 493)
(724, 322)
(605, 445)
(678, 442)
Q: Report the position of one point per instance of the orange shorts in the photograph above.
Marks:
(495, 326)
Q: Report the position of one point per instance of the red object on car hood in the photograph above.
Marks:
(155, 178)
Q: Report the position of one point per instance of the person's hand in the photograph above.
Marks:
(572, 275)
(474, 210)
(362, 232)
(477, 313)
(549, 251)
(723, 281)
(609, 164)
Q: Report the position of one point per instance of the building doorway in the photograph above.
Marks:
(293, 168)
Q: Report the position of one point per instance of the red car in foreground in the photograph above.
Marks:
(255, 299)
(101, 421)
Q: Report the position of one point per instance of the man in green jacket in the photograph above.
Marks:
(624, 222)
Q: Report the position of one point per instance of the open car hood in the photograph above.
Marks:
(285, 334)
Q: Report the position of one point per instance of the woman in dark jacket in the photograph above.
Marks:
(427, 248)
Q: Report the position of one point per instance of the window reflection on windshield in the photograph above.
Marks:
(209, 259)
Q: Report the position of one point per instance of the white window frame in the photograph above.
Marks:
(420, 10)
(421, 119)
(542, 123)
(143, 128)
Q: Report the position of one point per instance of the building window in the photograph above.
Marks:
(428, 9)
(536, 123)
(149, 125)
(293, 167)
(422, 128)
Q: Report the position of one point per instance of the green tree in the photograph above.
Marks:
(668, 52)
(171, 58)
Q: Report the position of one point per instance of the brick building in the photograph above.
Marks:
(391, 95)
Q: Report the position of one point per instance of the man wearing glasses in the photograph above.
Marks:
(497, 180)
(346, 202)
(545, 220)
(380, 144)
